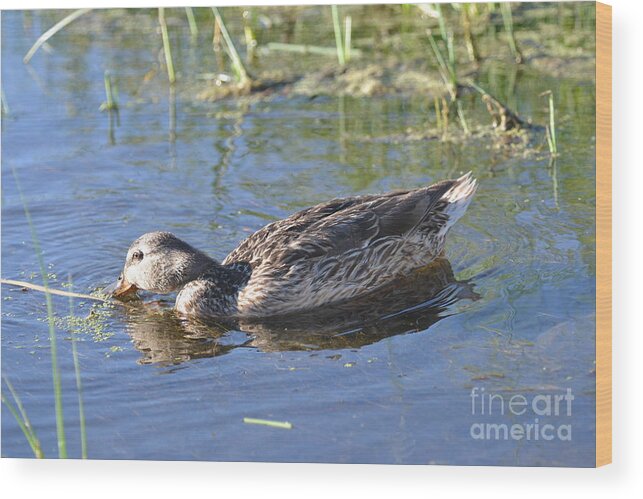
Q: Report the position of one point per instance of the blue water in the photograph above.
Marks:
(519, 319)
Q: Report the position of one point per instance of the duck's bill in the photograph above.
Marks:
(122, 287)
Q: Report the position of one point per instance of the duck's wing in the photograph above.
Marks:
(341, 226)
(282, 232)
(357, 227)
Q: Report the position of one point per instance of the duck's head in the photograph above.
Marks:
(159, 262)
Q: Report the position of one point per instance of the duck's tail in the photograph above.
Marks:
(447, 202)
(458, 198)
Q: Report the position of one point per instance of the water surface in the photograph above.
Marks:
(515, 317)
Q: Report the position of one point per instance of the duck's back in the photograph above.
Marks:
(346, 247)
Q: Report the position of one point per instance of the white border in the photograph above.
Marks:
(111, 479)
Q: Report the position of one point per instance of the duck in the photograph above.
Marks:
(326, 254)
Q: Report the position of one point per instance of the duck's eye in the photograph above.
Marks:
(137, 255)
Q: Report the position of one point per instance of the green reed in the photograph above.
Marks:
(447, 64)
(52, 31)
(167, 50)
(239, 69)
(507, 19)
(111, 94)
(436, 105)
(194, 29)
(467, 11)
(22, 419)
(441, 115)
(338, 35)
(55, 372)
(343, 45)
(248, 17)
(348, 28)
(19, 411)
(550, 129)
(79, 384)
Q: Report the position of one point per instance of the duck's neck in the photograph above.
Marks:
(214, 291)
(228, 278)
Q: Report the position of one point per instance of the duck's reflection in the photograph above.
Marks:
(406, 306)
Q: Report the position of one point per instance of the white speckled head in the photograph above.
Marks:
(162, 263)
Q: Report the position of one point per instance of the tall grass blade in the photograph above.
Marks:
(438, 114)
(443, 27)
(507, 19)
(461, 117)
(348, 22)
(79, 384)
(111, 94)
(60, 422)
(554, 179)
(442, 65)
(472, 49)
(338, 35)
(194, 29)
(550, 129)
(52, 31)
(248, 31)
(237, 64)
(552, 123)
(23, 421)
(550, 144)
(169, 63)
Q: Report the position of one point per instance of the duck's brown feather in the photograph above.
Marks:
(341, 225)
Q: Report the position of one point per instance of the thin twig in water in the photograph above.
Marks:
(59, 292)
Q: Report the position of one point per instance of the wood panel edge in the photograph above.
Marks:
(603, 234)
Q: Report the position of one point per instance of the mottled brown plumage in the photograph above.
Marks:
(325, 254)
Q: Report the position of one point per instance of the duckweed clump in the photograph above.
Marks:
(94, 324)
